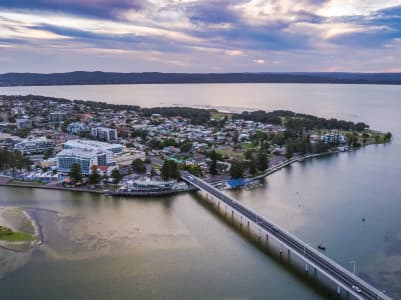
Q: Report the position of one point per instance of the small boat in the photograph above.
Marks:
(321, 247)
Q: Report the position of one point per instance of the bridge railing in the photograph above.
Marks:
(302, 243)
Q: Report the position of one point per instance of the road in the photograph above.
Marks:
(356, 286)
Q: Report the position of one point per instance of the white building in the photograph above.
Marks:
(333, 137)
(57, 117)
(23, 123)
(104, 134)
(34, 145)
(67, 157)
(90, 144)
(77, 128)
(87, 153)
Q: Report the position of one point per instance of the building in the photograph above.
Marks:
(77, 128)
(81, 144)
(148, 185)
(104, 134)
(17, 111)
(23, 123)
(57, 117)
(85, 158)
(87, 153)
(7, 140)
(34, 145)
(333, 138)
(105, 170)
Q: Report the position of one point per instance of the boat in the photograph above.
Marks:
(321, 247)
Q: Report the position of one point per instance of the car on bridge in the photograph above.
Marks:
(275, 229)
(356, 289)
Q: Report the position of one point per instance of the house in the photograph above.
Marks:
(104, 170)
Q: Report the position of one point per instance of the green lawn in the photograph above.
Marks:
(220, 115)
(6, 234)
(27, 182)
(247, 146)
(17, 237)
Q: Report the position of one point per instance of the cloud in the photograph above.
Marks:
(259, 61)
(94, 8)
(215, 11)
(234, 52)
(341, 8)
(204, 34)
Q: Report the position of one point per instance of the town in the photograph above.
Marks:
(129, 150)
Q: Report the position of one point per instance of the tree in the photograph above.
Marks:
(249, 154)
(14, 160)
(213, 167)
(194, 169)
(75, 172)
(116, 175)
(262, 160)
(215, 155)
(388, 137)
(278, 139)
(306, 148)
(48, 153)
(235, 137)
(23, 133)
(139, 133)
(349, 138)
(236, 170)
(355, 140)
(169, 170)
(186, 146)
(65, 125)
(18, 161)
(138, 166)
(289, 151)
(94, 176)
(153, 172)
(252, 167)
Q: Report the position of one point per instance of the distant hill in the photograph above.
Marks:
(82, 77)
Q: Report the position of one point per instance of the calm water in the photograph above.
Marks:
(110, 248)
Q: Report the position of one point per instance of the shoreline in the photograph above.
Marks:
(266, 173)
(289, 162)
(44, 187)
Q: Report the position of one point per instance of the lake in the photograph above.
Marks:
(176, 248)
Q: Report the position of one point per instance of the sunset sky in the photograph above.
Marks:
(200, 36)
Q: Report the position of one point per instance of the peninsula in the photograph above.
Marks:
(128, 150)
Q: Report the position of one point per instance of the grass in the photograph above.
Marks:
(38, 183)
(247, 146)
(7, 235)
(230, 152)
(17, 237)
(374, 137)
(220, 115)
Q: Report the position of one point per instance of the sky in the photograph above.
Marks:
(200, 36)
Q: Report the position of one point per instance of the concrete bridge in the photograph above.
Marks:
(312, 259)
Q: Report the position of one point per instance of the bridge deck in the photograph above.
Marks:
(314, 258)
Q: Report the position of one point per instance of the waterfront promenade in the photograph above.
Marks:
(8, 181)
(343, 278)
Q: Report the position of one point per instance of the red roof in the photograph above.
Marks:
(103, 168)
